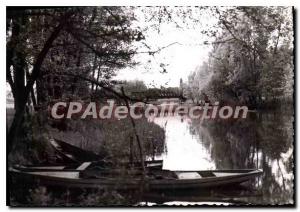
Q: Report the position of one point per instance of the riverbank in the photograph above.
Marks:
(109, 137)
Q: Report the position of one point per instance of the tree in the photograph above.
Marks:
(134, 86)
(246, 62)
(65, 42)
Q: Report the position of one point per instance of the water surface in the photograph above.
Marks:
(262, 140)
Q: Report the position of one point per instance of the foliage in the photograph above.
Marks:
(95, 41)
(58, 48)
(102, 198)
(133, 86)
(251, 60)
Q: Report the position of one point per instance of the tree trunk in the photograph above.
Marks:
(22, 96)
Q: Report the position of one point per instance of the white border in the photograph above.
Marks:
(115, 3)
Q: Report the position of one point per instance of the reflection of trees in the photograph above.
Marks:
(276, 132)
(229, 143)
(261, 141)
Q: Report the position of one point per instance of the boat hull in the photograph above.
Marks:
(137, 182)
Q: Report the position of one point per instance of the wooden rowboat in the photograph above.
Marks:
(152, 179)
(93, 165)
(75, 155)
(72, 154)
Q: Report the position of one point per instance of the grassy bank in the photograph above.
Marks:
(112, 137)
(109, 137)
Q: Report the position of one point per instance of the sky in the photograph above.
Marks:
(187, 52)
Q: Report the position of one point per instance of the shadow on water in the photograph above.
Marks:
(235, 194)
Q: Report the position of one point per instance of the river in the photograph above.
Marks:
(262, 140)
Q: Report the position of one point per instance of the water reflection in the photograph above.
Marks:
(184, 151)
(263, 140)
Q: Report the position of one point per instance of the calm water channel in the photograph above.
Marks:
(262, 140)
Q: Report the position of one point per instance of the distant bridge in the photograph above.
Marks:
(158, 94)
